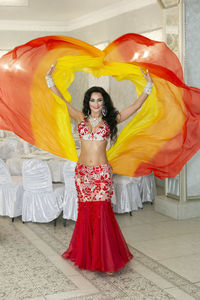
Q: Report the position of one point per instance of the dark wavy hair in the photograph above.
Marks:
(112, 113)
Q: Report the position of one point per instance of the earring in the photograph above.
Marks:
(88, 112)
(104, 111)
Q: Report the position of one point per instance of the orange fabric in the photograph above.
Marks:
(162, 136)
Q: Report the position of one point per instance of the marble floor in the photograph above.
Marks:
(166, 262)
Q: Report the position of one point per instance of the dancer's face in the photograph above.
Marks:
(96, 103)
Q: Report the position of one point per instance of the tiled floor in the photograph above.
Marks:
(166, 262)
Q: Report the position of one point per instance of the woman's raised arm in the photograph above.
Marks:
(131, 109)
(73, 112)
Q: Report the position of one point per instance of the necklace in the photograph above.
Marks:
(94, 121)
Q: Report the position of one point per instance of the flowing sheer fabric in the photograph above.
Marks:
(97, 242)
(162, 136)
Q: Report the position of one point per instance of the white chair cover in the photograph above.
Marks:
(27, 147)
(127, 194)
(15, 166)
(70, 200)
(56, 165)
(11, 194)
(40, 202)
(11, 147)
(2, 134)
(148, 188)
(173, 185)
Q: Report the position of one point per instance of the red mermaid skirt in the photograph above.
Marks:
(97, 242)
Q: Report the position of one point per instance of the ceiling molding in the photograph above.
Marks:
(97, 16)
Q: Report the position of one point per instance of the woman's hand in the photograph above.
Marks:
(50, 71)
(49, 80)
(147, 75)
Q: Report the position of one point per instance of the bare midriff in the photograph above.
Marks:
(93, 153)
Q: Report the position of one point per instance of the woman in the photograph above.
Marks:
(97, 242)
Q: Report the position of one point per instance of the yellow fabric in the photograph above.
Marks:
(151, 110)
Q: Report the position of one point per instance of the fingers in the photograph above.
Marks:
(147, 72)
(49, 72)
(53, 66)
(146, 75)
(142, 71)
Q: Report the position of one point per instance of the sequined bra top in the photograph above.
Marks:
(102, 133)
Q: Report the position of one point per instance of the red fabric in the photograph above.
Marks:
(101, 133)
(97, 242)
(93, 183)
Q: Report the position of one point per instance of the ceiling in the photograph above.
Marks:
(72, 14)
(51, 10)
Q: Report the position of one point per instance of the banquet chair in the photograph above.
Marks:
(11, 147)
(40, 200)
(148, 188)
(173, 185)
(70, 200)
(127, 194)
(11, 194)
